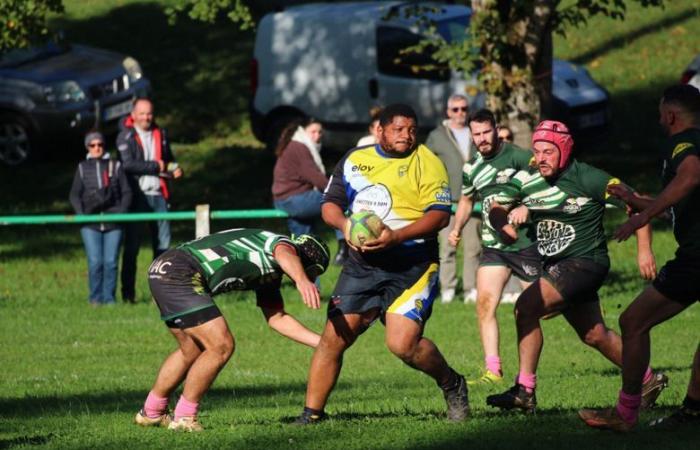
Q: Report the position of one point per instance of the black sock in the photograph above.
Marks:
(452, 381)
(691, 403)
(313, 412)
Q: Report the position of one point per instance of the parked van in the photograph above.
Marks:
(334, 61)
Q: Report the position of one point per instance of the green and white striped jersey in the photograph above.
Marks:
(237, 259)
(567, 212)
(485, 178)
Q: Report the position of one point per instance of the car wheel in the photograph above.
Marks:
(15, 140)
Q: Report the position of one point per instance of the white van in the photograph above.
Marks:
(334, 61)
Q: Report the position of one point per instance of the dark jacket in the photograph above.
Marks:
(92, 175)
(131, 154)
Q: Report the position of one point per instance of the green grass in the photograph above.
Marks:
(73, 376)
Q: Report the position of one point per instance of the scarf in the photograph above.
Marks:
(301, 137)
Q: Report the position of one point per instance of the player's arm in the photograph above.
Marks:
(687, 178)
(432, 221)
(289, 262)
(465, 206)
(645, 254)
(498, 216)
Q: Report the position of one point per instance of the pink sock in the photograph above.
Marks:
(648, 375)
(493, 365)
(528, 381)
(185, 408)
(155, 406)
(628, 406)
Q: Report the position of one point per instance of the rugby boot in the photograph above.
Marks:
(605, 419)
(487, 378)
(457, 399)
(309, 418)
(515, 397)
(652, 389)
(681, 417)
(161, 421)
(188, 424)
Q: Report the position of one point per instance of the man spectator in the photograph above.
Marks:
(148, 161)
(392, 277)
(451, 141)
(676, 288)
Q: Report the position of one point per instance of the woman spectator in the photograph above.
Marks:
(372, 137)
(299, 178)
(100, 186)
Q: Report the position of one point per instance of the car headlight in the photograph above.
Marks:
(133, 69)
(64, 92)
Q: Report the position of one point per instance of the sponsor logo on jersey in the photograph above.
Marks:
(361, 168)
(553, 237)
(571, 206)
(375, 197)
(444, 196)
(502, 177)
(680, 148)
(403, 170)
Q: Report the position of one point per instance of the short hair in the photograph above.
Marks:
(686, 96)
(140, 99)
(481, 116)
(396, 109)
(455, 97)
(374, 113)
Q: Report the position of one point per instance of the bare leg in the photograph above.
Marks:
(588, 322)
(338, 335)
(286, 325)
(176, 365)
(216, 342)
(404, 338)
(694, 385)
(537, 300)
(647, 310)
(489, 286)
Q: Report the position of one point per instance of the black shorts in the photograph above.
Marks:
(576, 279)
(179, 290)
(408, 292)
(526, 264)
(679, 279)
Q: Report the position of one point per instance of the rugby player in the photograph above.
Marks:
(395, 276)
(676, 287)
(485, 175)
(566, 199)
(183, 281)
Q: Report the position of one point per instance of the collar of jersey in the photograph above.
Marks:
(383, 154)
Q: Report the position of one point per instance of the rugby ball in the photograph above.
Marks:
(363, 226)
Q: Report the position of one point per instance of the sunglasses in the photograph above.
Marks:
(459, 108)
(96, 144)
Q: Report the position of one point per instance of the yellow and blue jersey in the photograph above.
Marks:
(400, 189)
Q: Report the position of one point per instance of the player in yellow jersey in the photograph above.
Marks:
(394, 277)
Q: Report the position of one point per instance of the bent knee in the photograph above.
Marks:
(596, 336)
(403, 350)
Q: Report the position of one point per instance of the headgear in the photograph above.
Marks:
(558, 134)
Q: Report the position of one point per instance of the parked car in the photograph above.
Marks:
(334, 61)
(691, 75)
(58, 90)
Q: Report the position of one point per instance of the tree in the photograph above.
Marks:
(22, 22)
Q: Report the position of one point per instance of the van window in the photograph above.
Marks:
(390, 61)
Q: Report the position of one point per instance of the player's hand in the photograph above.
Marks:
(388, 238)
(518, 216)
(628, 228)
(454, 237)
(647, 265)
(309, 294)
(624, 193)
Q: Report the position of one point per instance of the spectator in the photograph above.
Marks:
(505, 134)
(99, 186)
(299, 178)
(149, 163)
(371, 138)
(451, 141)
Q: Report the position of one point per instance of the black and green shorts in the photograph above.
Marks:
(576, 279)
(525, 264)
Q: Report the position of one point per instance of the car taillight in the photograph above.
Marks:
(253, 76)
(687, 75)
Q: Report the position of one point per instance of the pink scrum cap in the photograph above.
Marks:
(558, 134)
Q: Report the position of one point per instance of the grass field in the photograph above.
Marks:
(73, 376)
